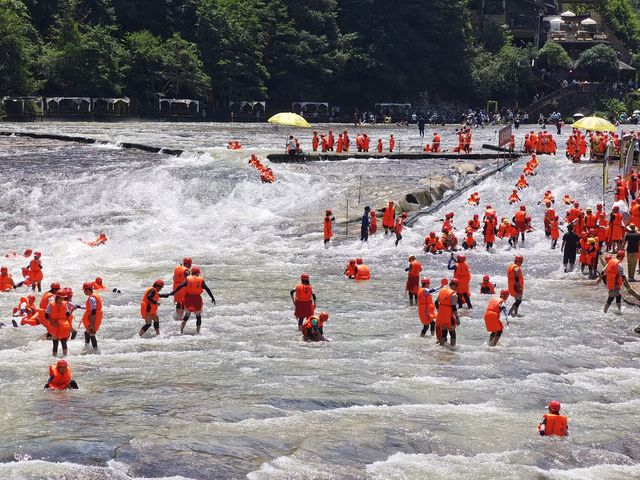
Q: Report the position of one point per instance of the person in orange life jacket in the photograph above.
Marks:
(314, 142)
(492, 317)
(520, 221)
(373, 226)
(553, 424)
(426, 307)
(149, 307)
(328, 225)
(68, 293)
(570, 243)
(60, 377)
(388, 217)
(461, 273)
(304, 300)
(313, 327)
(613, 274)
(35, 272)
(194, 285)
(6, 281)
(351, 269)
(180, 274)
(364, 225)
(469, 243)
(486, 287)
(554, 231)
(413, 278)
(92, 316)
(399, 226)
(447, 317)
(58, 316)
(362, 270)
(515, 279)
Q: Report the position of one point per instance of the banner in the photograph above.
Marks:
(504, 135)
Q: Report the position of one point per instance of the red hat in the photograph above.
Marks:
(158, 283)
(554, 406)
(504, 293)
(186, 261)
(55, 285)
(304, 276)
(195, 271)
(425, 281)
(62, 363)
(87, 286)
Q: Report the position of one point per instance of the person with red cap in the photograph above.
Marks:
(492, 317)
(328, 225)
(180, 274)
(515, 278)
(614, 277)
(461, 273)
(194, 286)
(304, 299)
(92, 318)
(58, 322)
(413, 279)
(399, 227)
(35, 272)
(553, 424)
(60, 377)
(486, 287)
(447, 317)
(426, 307)
(149, 307)
(6, 281)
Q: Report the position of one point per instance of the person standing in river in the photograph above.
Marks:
(515, 278)
(364, 226)
(304, 299)
(569, 247)
(421, 126)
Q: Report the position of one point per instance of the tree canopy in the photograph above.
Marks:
(351, 53)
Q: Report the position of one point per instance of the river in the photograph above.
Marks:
(247, 398)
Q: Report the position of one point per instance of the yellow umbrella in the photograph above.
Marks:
(288, 118)
(595, 123)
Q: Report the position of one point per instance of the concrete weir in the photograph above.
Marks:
(331, 157)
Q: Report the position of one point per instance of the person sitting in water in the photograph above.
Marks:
(312, 327)
(60, 377)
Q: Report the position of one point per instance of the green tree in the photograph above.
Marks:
(184, 68)
(87, 64)
(232, 35)
(20, 48)
(299, 54)
(599, 63)
(554, 58)
(506, 76)
(393, 52)
(625, 20)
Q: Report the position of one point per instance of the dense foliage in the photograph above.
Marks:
(351, 53)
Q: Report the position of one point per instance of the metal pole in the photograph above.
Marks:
(347, 232)
(360, 190)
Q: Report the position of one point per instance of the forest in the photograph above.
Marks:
(347, 52)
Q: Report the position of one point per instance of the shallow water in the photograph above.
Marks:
(247, 397)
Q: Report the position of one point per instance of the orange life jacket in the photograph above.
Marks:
(35, 271)
(511, 275)
(388, 217)
(487, 285)
(464, 277)
(304, 293)
(444, 317)
(555, 425)
(6, 282)
(521, 217)
(45, 299)
(87, 312)
(194, 285)
(492, 315)
(414, 268)
(350, 270)
(328, 228)
(614, 281)
(363, 273)
(179, 275)
(59, 322)
(146, 307)
(426, 307)
(59, 381)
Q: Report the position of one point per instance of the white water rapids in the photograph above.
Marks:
(248, 398)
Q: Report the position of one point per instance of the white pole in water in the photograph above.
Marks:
(360, 189)
(347, 232)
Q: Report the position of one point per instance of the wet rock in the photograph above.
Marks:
(465, 168)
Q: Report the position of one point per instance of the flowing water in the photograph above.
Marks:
(248, 398)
